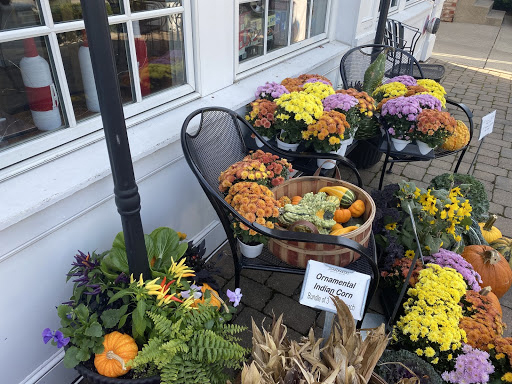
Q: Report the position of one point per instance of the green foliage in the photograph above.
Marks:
(191, 346)
(375, 73)
(163, 247)
(470, 187)
(391, 368)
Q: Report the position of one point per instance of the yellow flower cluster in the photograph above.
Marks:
(388, 90)
(330, 126)
(433, 88)
(300, 106)
(318, 89)
(254, 202)
(432, 314)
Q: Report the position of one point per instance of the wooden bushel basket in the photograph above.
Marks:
(298, 253)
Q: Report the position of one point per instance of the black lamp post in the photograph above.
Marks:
(381, 25)
(107, 85)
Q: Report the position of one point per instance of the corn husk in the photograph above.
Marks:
(344, 359)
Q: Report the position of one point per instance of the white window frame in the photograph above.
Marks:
(47, 141)
(281, 52)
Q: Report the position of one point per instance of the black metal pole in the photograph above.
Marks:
(107, 85)
(381, 25)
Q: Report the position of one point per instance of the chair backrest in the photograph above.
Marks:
(213, 145)
(402, 36)
(356, 61)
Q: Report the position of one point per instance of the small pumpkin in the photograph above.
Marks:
(342, 215)
(296, 200)
(214, 297)
(504, 246)
(491, 266)
(119, 349)
(342, 231)
(489, 231)
(493, 299)
(357, 208)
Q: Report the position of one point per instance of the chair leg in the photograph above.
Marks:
(460, 160)
(383, 172)
(390, 168)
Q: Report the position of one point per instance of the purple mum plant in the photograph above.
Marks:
(315, 80)
(270, 91)
(427, 101)
(404, 79)
(339, 101)
(400, 115)
(446, 258)
(472, 367)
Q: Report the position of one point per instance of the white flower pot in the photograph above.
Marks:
(423, 147)
(400, 144)
(286, 146)
(259, 143)
(250, 251)
(343, 148)
(349, 141)
(326, 163)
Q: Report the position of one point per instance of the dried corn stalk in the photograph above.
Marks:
(345, 358)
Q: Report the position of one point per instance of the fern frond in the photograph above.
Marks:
(162, 324)
(148, 354)
(207, 346)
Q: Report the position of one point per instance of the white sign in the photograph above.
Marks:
(322, 279)
(487, 124)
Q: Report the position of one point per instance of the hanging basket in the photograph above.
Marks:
(298, 253)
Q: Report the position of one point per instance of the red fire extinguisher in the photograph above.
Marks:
(41, 92)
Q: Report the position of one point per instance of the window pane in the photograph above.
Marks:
(250, 38)
(77, 64)
(19, 14)
(149, 5)
(67, 10)
(318, 17)
(300, 20)
(278, 17)
(29, 103)
(160, 53)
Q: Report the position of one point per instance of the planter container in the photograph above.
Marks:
(96, 378)
(424, 148)
(366, 154)
(259, 143)
(286, 146)
(400, 144)
(326, 163)
(250, 251)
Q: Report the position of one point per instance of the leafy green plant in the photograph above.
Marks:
(472, 189)
(395, 366)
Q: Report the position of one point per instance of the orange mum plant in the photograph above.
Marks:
(261, 117)
(434, 126)
(326, 134)
(257, 204)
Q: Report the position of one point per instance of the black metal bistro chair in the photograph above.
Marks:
(212, 139)
(353, 66)
(405, 37)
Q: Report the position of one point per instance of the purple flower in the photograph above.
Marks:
(472, 367)
(270, 91)
(446, 258)
(195, 290)
(339, 101)
(391, 131)
(122, 278)
(404, 79)
(315, 80)
(235, 296)
(427, 101)
(57, 337)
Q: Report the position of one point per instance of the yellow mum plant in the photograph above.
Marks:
(389, 90)
(433, 88)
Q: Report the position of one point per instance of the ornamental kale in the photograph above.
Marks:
(446, 258)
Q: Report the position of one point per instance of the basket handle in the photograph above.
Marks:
(304, 223)
(337, 174)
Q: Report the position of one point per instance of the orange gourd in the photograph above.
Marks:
(342, 215)
(336, 226)
(357, 208)
(344, 230)
(296, 200)
(492, 267)
(119, 349)
(214, 296)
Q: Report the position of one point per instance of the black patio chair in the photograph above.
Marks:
(405, 37)
(353, 66)
(216, 141)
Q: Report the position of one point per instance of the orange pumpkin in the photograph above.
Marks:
(493, 299)
(214, 297)
(357, 208)
(296, 200)
(342, 215)
(119, 349)
(492, 267)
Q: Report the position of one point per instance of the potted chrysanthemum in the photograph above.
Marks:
(399, 115)
(432, 129)
(261, 116)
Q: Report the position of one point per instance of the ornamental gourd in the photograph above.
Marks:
(119, 349)
(504, 246)
(342, 215)
(458, 139)
(491, 266)
(296, 200)
(357, 208)
(489, 231)
(346, 196)
(342, 231)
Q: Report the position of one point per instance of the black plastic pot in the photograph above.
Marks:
(96, 378)
(365, 154)
(389, 299)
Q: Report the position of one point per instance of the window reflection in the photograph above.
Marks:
(300, 19)
(29, 103)
(19, 14)
(149, 5)
(251, 23)
(67, 10)
(318, 17)
(277, 32)
(76, 58)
